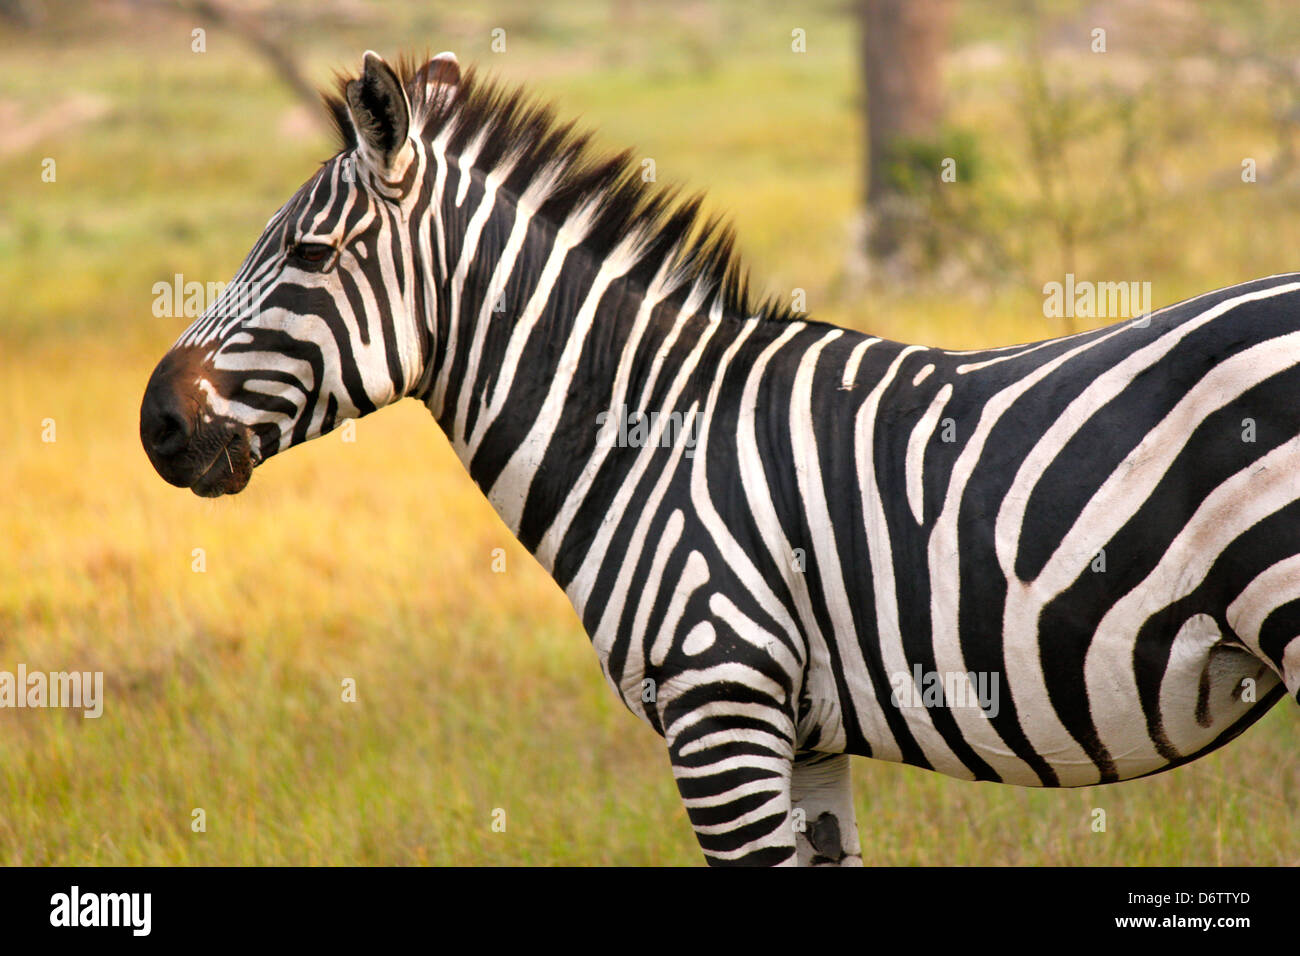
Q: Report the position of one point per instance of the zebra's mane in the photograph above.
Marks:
(665, 228)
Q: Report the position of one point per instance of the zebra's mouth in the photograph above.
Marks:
(229, 470)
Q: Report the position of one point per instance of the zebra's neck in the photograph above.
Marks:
(545, 344)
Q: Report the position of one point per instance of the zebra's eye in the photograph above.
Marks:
(310, 253)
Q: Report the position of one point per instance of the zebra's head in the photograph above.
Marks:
(327, 318)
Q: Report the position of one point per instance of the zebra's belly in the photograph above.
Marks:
(1209, 691)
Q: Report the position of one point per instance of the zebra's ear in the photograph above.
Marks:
(381, 116)
(439, 81)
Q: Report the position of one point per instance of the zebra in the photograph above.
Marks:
(1057, 564)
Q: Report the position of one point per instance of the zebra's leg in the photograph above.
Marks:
(732, 768)
(826, 828)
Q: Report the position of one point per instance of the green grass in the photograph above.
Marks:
(373, 560)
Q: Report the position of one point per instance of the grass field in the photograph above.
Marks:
(372, 560)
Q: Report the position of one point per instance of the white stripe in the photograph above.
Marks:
(634, 666)
(943, 555)
(549, 546)
(510, 491)
(917, 444)
(738, 563)
(579, 589)
(606, 631)
(808, 476)
(465, 163)
(850, 375)
(571, 234)
(694, 576)
(752, 632)
(524, 210)
(468, 253)
(1272, 588)
(884, 588)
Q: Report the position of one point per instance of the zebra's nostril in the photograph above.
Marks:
(165, 430)
(169, 435)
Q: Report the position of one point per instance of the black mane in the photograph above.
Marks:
(701, 252)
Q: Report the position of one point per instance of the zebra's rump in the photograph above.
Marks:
(1212, 690)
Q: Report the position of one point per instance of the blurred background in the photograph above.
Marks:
(134, 149)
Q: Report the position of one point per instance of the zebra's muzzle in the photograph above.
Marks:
(218, 461)
(186, 445)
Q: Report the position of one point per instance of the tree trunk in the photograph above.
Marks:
(902, 43)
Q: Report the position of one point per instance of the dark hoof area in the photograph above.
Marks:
(824, 835)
